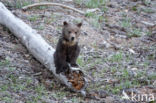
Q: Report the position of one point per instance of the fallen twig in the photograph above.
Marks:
(52, 4)
(58, 4)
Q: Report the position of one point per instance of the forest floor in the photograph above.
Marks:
(118, 52)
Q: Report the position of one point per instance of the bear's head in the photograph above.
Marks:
(70, 33)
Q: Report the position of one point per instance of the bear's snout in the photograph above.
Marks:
(72, 38)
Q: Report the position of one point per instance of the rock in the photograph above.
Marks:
(131, 51)
(109, 99)
(154, 83)
(92, 10)
(134, 69)
(147, 23)
(122, 36)
(104, 44)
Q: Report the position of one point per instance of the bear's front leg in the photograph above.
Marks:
(60, 63)
(74, 55)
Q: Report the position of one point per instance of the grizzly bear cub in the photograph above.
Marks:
(67, 49)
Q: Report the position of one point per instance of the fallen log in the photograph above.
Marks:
(41, 50)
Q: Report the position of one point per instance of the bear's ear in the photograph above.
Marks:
(65, 23)
(79, 25)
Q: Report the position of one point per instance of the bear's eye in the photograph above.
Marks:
(69, 32)
(75, 32)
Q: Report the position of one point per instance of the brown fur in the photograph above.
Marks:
(67, 49)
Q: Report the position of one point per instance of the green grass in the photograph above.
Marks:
(148, 10)
(116, 57)
(3, 87)
(17, 85)
(152, 76)
(104, 9)
(33, 18)
(76, 100)
(145, 10)
(95, 23)
(18, 3)
(132, 30)
(136, 32)
(121, 75)
(149, 33)
(125, 79)
(40, 27)
(21, 3)
(95, 3)
(13, 78)
(79, 2)
(115, 90)
(6, 99)
(125, 74)
(146, 2)
(134, 8)
(125, 82)
(95, 16)
(52, 18)
(36, 99)
(5, 62)
(39, 89)
(59, 95)
(95, 19)
(76, 21)
(113, 70)
(80, 61)
(48, 21)
(90, 14)
(126, 22)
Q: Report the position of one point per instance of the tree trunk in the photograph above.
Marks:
(37, 46)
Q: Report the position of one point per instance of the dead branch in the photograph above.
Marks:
(52, 4)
